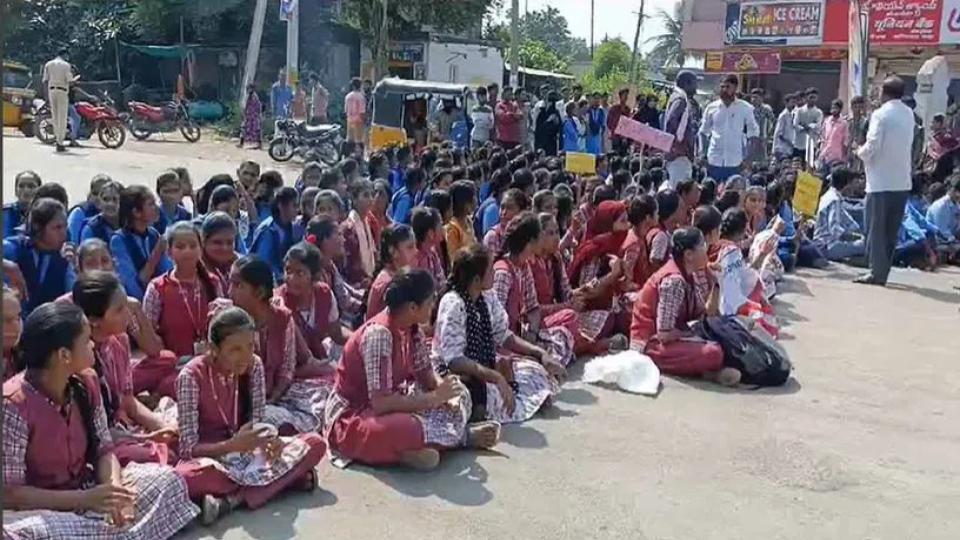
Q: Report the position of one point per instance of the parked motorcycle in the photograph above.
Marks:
(144, 120)
(100, 118)
(297, 138)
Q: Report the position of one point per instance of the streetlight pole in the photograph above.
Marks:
(293, 45)
(636, 44)
(253, 50)
(591, 28)
(515, 44)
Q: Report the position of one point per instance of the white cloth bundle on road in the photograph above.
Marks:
(631, 371)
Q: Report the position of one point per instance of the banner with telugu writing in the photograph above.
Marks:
(644, 134)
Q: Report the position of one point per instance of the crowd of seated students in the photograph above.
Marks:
(219, 342)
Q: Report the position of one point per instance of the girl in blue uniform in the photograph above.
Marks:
(40, 254)
(138, 248)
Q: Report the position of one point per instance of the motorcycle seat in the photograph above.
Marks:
(318, 129)
(145, 106)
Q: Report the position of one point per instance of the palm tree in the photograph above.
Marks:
(668, 46)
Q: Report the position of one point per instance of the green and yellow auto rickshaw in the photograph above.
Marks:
(401, 111)
(18, 94)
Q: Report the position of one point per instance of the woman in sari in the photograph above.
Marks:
(507, 386)
(674, 296)
(741, 289)
(61, 478)
(252, 109)
(514, 285)
(228, 456)
(389, 406)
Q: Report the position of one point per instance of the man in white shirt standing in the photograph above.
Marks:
(784, 134)
(806, 121)
(725, 121)
(57, 76)
(887, 160)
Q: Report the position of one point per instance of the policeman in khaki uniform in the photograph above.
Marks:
(58, 75)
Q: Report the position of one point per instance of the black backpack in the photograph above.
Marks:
(759, 363)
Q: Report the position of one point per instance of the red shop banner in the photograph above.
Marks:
(742, 62)
(905, 22)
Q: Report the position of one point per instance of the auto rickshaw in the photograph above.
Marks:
(402, 110)
(18, 97)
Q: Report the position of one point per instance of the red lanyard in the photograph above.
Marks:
(231, 426)
(195, 320)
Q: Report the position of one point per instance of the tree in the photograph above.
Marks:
(411, 15)
(549, 27)
(668, 46)
(610, 55)
(536, 55)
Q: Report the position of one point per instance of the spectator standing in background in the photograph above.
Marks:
(281, 96)
(355, 106)
(619, 144)
(482, 118)
(509, 120)
(888, 161)
(766, 122)
(806, 122)
(784, 134)
(725, 120)
(683, 121)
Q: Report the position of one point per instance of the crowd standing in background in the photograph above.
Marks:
(200, 348)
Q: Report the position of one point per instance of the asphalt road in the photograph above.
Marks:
(863, 443)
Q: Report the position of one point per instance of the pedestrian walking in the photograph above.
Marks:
(57, 76)
(251, 130)
(888, 162)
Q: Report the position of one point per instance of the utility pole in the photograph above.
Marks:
(293, 45)
(636, 44)
(380, 65)
(591, 28)
(515, 44)
(253, 50)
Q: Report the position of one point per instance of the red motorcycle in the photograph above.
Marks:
(145, 120)
(100, 118)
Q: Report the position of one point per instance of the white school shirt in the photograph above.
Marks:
(784, 134)
(887, 154)
(724, 126)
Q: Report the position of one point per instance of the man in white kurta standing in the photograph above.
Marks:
(887, 160)
(728, 127)
(57, 76)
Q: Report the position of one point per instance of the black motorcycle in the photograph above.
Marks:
(292, 138)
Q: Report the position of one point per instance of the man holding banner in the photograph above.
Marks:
(682, 120)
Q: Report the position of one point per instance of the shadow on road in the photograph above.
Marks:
(792, 386)
(523, 436)
(947, 297)
(272, 522)
(459, 480)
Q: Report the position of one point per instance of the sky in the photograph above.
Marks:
(616, 18)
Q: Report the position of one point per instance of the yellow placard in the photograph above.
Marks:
(383, 136)
(806, 197)
(581, 163)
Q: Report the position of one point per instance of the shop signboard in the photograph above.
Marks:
(774, 22)
(905, 22)
(742, 62)
(950, 22)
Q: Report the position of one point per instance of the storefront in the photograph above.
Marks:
(812, 40)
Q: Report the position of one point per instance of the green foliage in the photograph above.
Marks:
(609, 83)
(35, 30)
(536, 55)
(610, 56)
(668, 47)
(549, 27)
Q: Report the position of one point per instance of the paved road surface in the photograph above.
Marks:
(863, 444)
(134, 162)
